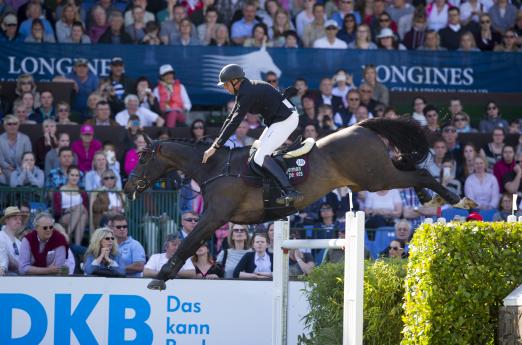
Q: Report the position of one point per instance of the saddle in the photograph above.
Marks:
(294, 161)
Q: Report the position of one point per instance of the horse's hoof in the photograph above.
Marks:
(436, 201)
(156, 284)
(466, 204)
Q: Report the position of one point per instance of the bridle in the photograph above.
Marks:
(143, 182)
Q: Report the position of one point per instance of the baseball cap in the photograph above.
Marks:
(331, 22)
(116, 61)
(386, 32)
(164, 69)
(474, 216)
(10, 19)
(80, 61)
(87, 129)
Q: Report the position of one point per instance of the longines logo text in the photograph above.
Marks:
(422, 75)
(53, 66)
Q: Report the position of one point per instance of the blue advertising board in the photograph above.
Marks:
(198, 67)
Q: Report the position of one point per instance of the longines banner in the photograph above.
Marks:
(198, 67)
(104, 311)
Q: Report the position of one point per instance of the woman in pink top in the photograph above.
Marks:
(86, 147)
(131, 158)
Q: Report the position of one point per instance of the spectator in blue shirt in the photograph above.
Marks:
(58, 176)
(85, 83)
(242, 29)
(132, 252)
(34, 11)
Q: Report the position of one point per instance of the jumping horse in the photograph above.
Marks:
(373, 155)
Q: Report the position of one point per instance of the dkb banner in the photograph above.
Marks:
(198, 67)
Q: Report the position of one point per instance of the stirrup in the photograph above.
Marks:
(289, 197)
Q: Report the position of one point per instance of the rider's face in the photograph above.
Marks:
(228, 86)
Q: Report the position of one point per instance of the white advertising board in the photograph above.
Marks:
(89, 310)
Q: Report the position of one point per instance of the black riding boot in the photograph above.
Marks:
(290, 194)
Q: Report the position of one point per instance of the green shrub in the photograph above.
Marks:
(458, 275)
(383, 291)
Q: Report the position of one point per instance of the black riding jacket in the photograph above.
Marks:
(256, 97)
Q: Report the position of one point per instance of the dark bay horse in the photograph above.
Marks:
(357, 157)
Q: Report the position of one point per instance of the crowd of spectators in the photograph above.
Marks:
(86, 222)
(473, 25)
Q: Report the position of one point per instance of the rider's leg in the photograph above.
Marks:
(271, 139)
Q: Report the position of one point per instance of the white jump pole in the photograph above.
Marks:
(353, 277)
(280, 280)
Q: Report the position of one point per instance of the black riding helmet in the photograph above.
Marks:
(230, 72)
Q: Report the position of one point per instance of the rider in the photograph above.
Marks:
(281, 117)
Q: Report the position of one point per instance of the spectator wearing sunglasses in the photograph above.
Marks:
(132, 252)
(93, 178)
(108, 200)
(189, 220)
(10, 29)
(103, 254)
(236, 247)
(396, 249)
(12, 222)
(44, 250)
(461, 121)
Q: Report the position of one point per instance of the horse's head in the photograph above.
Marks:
(152, 166)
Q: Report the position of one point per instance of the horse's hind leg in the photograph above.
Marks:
(420, 179)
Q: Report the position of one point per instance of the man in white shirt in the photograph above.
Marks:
(132, 107)
(13, 221)
(330, 40)
(156, 261)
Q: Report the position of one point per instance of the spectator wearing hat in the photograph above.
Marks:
(146, 117)
(115, 33)
(172, 95)
(102, 115)
(316, 28)
(156, 261)
(13, 221)
(13, 144)
(43, 250)
(10, 29)
(330, 41)
(85, 83)
(86, 147)
(386, 39)
(120, 84)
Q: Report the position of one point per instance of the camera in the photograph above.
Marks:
(135, 123)
(148, 91)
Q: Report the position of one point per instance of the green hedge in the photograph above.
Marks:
(383, 292)
(458, 275)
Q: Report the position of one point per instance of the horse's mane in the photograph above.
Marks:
(202, 144)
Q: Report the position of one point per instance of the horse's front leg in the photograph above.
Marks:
(203, 231)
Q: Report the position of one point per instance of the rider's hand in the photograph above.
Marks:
(208, 153)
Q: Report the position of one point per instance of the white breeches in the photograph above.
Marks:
(275, 136)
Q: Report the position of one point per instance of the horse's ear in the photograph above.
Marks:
(147, 140)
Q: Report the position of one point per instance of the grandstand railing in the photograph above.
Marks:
(151, 216)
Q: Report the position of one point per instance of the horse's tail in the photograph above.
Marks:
(405, 135)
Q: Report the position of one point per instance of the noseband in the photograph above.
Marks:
(143, 182)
